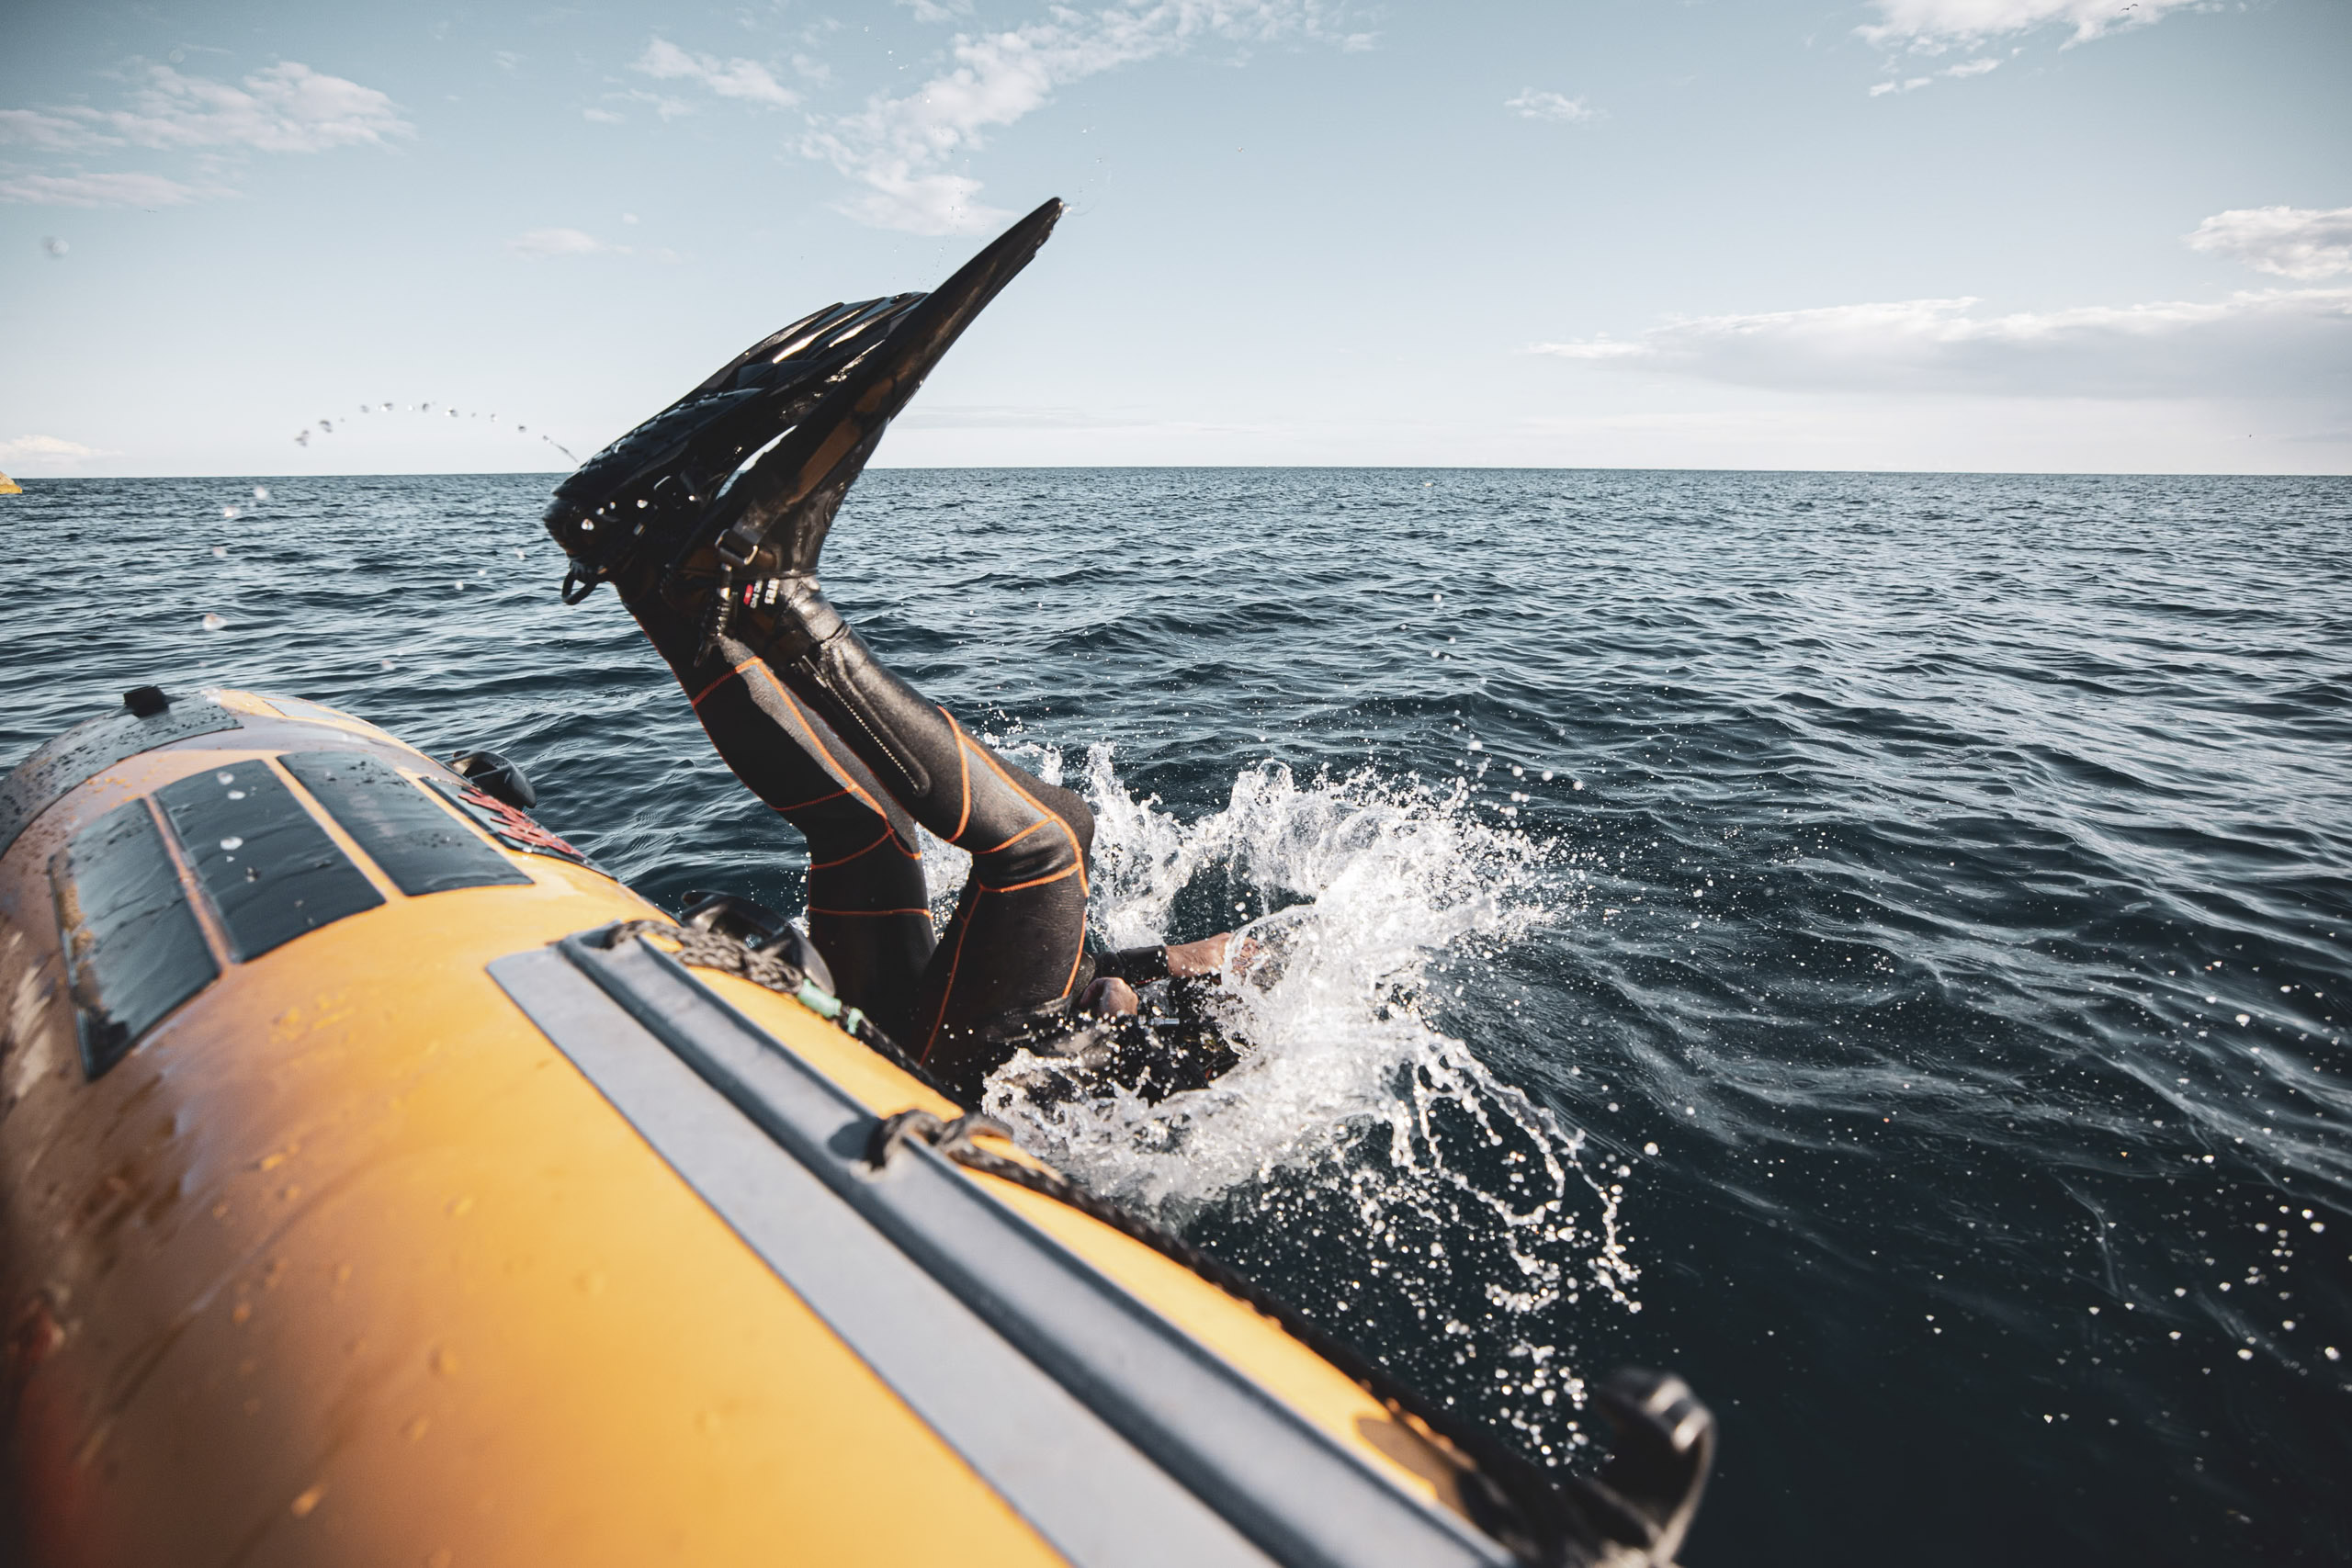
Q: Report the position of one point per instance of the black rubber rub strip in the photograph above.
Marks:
(92, 746)
(1277, 1480)
(270, 870)
(134, 950)
(415, 841)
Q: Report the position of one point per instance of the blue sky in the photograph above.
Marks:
(1969, 234)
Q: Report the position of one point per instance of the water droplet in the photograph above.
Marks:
(232, 843)
(236, 794)
(213, 623)
(220, 552)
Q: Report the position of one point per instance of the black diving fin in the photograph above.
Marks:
(785, 505)
(637, 494)
(807, 402)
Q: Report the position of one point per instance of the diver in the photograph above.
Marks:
(709, 520)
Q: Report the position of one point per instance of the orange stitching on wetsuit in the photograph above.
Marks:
(695, 701)
(1068, 831)
(946, 992)
(964, 772)
(1038, 882)
(817, 748)
(821, 800)
(814, 910)
(828, 864)
(1016, 838)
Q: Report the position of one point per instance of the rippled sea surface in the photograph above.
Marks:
(1876, 944)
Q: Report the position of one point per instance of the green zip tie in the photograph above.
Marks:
(822, 1003)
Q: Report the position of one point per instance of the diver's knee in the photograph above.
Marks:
(1075, 816)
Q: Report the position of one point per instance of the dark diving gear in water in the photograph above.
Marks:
(497, 777)
(1173, 1044)
(1136, 965)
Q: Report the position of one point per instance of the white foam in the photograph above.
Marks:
(1378, 887)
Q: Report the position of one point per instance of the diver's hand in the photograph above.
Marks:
(1191, 960)
(1108, 998)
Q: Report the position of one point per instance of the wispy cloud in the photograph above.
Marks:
(2270, 343)
(1912, 84)
(98, 190)
(287, 108)
(1933, 25)
(745, 79)
(44, 132)
(1532, 104)
(898, 148)
(2300, 243)
(48, 449)
(542, 243)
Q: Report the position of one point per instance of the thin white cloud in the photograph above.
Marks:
(745, 79)
(1534, 105)
(602, 117)
(2280, 343)
(287, 108)
(1965, 68)
(44, 449)
(98, 190)
(2302, 243)
(47, 133)
(1932, 24)
(542, 243)
(898, 148)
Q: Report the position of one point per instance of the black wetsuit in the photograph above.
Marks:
(854, 757)
(709, 520)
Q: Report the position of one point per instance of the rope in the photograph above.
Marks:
(773, 971)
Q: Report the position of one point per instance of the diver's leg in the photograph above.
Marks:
(716, 511)
(868, 912)
(1016, 947)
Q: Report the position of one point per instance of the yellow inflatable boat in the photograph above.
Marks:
(381, 1183)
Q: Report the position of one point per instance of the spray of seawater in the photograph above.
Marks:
(1353, 1122)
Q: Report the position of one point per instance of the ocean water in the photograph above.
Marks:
(1879, 946)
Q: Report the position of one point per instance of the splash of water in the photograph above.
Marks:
(1350, 1100)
